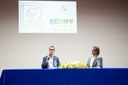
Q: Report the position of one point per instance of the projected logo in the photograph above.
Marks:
(47, 17)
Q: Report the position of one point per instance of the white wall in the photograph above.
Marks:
(100, 23)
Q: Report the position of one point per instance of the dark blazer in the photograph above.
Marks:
(98, 62)
(56, 62)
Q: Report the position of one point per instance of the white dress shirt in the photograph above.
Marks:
(92, 60)
(50, 62)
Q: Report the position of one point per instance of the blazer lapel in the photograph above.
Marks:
(94, 62)
(54, 61)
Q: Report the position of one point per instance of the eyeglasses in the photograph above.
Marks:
(51, 49)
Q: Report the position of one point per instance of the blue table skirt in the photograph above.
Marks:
(105, 76)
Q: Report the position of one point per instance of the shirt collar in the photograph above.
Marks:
(50, 57)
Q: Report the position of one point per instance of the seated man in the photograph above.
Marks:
(50, 61)
(95, 61)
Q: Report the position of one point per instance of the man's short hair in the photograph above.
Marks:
(52, 47)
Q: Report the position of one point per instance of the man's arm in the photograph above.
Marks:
(88, 62)
(44, 63)
(58, 62)
(99, 63)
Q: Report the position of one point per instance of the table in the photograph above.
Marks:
(104, 76)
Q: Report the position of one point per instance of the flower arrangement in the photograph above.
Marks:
(73, 65)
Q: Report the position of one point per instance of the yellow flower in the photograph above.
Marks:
(73, 65)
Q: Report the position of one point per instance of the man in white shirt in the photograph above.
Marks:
(50, 61)
(95, 61)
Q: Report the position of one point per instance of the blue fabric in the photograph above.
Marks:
(105, 76)
(0, 81)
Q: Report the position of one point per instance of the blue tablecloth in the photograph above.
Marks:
(105, 76)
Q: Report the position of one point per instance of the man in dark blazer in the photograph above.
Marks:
(50, 61)
(95, 61)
